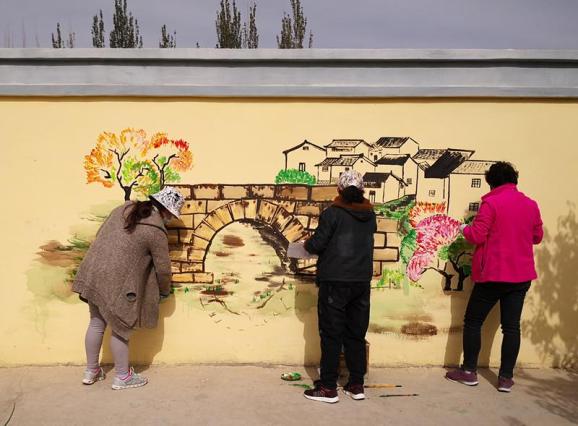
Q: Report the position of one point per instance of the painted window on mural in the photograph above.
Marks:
(476, 183)
(301, 167)
(372, 196)
(409, 181)
(432, 193)
(474, 207)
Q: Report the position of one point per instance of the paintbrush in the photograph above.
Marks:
(398, 394)
(381, 385)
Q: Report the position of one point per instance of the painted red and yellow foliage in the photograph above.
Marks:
(423, 209)
(135, 162)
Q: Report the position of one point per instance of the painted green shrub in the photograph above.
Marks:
(295, 176)
(391, 278)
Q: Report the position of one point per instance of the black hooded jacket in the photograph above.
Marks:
(343, 241)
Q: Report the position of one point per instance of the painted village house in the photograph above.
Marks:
(392, 145)
(394, 167)
(329, 170)
(381, 187)
(304, 157)
(343, 155)
(467, 186)
(339, 147)
(393, 159)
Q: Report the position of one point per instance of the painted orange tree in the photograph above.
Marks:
(135, 162)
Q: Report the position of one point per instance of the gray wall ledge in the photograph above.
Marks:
(316, 73)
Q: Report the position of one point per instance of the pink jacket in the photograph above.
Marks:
(504, 232)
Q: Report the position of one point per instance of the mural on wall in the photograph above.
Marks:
(229, 249)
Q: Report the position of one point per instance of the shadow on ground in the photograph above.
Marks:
(557, 395)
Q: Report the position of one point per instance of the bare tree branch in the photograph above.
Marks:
(215, 299)
(262, 305)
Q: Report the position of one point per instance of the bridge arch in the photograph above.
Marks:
(269, 213)
(290, 210)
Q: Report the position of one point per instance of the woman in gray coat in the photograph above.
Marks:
(122, 278)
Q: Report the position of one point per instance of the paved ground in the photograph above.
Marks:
(251, 395)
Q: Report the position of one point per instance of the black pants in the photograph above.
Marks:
(482, 300)
(343, 310)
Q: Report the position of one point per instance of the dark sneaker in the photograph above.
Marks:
(354, 391)
(320, 393)
(469, 378)
(505, 385)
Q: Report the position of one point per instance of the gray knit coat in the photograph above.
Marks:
(124, 274)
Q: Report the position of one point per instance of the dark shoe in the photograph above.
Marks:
(504, 384)
(469, 378)
(354, 391)
(320, 393)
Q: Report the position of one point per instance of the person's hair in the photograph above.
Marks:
(140, 210)
(352, 194)
(501, 173)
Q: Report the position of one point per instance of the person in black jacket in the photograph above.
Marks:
(343, 241)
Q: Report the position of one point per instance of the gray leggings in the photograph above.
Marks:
(93, 343)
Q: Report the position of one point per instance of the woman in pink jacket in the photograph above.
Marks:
(504, 232)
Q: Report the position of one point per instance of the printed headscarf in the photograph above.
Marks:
(350, 178)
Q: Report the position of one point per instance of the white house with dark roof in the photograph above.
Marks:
(415, 169)
(428, 156)
(329, 170)
(400, 165)
(434, 168)
(393, 145)
(467, 186)
(304, 157)
(339, 147)
(383, 187)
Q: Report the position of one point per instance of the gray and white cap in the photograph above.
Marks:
(350, 178)
(171, 199)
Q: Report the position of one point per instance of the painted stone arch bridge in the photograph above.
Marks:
(291, 212)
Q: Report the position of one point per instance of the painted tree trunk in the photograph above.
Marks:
(461, 278)
(447, 278)
(127, 191)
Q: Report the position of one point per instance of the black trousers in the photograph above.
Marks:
(343, 310)
(482, 300)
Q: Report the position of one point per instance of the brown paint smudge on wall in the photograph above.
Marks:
(233, 241)
(419, 329)
(54, 253)
(222, 254)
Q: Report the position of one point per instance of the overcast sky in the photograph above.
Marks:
(542, 24)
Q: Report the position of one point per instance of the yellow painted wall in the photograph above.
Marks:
(45, 197)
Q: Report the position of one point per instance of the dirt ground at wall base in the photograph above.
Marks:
(227, 395)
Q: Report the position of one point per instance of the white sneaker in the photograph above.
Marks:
(133, 380)
(91, 377)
